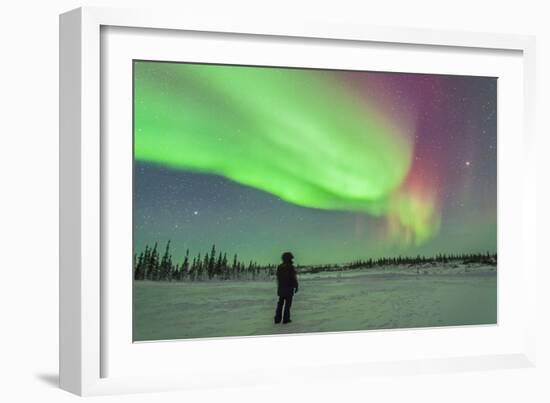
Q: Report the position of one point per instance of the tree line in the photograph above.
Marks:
(467, 258)
(149, 264)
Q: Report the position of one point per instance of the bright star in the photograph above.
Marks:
(467, 163)
(195, 213)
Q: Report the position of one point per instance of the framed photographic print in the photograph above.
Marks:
(383, 186)
(236, 192)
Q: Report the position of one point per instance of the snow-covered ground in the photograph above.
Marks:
(362, 299)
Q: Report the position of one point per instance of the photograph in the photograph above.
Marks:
(274, 200)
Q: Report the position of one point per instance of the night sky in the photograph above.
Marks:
(334, 166)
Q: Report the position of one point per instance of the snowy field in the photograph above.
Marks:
(362, 299)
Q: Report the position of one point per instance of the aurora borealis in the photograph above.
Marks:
(334, 165)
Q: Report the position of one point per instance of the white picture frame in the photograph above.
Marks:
(96, 356)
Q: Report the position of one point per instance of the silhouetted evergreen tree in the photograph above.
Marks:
(206, 263)
(154, 270)
(165, 269)
(200, 269)
(184, 268)
(193, 270)
(234, 267)
(225, 269)
(139, 272)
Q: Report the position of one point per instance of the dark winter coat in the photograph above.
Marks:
(286, 280)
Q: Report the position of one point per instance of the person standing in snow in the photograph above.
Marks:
(287, 286)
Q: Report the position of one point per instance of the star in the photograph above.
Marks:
(467, 163)
(195, 212)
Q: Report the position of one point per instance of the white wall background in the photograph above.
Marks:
(29, 201)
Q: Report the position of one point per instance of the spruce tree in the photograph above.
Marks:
(225, 269)
(218, 267)
(234, 267)
(146, 263)
(193, 270)
(154, 263)
(211, 262)
(139, 272)
(164, 268)
(206, 265)
(185, 265)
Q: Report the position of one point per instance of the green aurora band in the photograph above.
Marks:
(301, 135)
